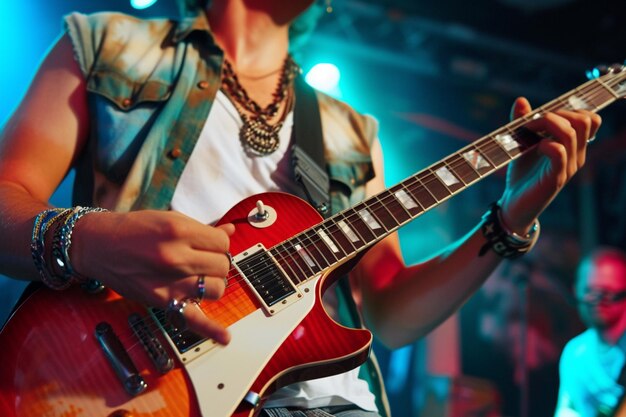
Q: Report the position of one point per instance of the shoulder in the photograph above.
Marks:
(110, 39)
(580, 347)
(119, 29)
(118, 23)
(340, 121)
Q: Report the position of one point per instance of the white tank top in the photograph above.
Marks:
(217, 176)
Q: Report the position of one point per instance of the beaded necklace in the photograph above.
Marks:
(257, 135)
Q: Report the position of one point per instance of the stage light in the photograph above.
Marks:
(324, 77)
(142, 4)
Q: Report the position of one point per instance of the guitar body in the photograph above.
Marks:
(53, 365)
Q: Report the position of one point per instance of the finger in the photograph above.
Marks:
(521, 106)
(214, 287)
(199, 323)
(596, 121)
(558, 129)
(209, 238)
(196, 262)
(229, 228)
(581, 122)
(557, 155)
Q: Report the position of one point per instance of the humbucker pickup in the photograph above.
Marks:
(266, 278)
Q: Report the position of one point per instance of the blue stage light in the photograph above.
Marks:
(142, 4)
(324, 77)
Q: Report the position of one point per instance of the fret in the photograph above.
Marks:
(433, 183)
(394, 214)
(407, 202)
(446, 175)
(369, 219)
(462, 169)
(346, 228)
(305, 257)
(304, 271)
(479, 162)
(421, 194)
(319, 239)
(509, 141)
(577, 101)
(286, 261)
(330, 243)
(378, 209)
(359, 226)
(494, 152)
(339, 237)
(621, 87)
(315, 247)
(607, 87)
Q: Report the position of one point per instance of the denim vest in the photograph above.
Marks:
(150, 86)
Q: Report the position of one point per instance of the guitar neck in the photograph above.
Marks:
(347, 233)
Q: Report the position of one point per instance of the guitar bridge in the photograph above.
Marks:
(267, 279)
(153, 347)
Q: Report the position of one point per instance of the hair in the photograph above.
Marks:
(596, 256)
(299, 32)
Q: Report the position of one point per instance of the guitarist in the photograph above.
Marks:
(592, 371)
(157, 115)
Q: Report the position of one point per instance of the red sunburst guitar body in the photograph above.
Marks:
(53, 365)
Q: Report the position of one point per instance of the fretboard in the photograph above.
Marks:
(343, 235)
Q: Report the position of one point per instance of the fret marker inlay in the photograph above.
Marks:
(305, 255)
(475, 159)
(578, 103)
(369, 220)
(328, 241)
(446, 176)
(405, 200)
(348, 232)
(507, 141)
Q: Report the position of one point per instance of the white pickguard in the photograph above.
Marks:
(222, 376)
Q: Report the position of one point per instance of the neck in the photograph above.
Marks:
(611, 335)
(252, 33)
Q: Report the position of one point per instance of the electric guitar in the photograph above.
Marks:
(73, 354)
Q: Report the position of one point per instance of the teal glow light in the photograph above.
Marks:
(142, 4)
(324, 77)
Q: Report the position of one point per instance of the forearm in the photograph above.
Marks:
(411, 301)
(18, 210)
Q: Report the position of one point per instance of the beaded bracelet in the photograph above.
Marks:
(501, 239)
(43, 222)
(62, 241)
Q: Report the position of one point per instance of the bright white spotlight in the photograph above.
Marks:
(324, 77)
(142, 4)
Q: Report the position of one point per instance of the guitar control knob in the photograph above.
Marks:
(262, 216)
(261, 213)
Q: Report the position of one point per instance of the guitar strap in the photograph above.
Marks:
(308, 148)
(310, 172)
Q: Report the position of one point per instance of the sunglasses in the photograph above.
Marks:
(602, 297)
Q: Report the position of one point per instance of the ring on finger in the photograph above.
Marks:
(201, 288)
(591, 139)
(175, 314)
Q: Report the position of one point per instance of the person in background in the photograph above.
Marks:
(591, 368)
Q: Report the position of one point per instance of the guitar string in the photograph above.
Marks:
(430, 177)
(455, 161)
(587, 92)
(426, 179)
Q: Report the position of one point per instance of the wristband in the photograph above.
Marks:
(501, 239)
